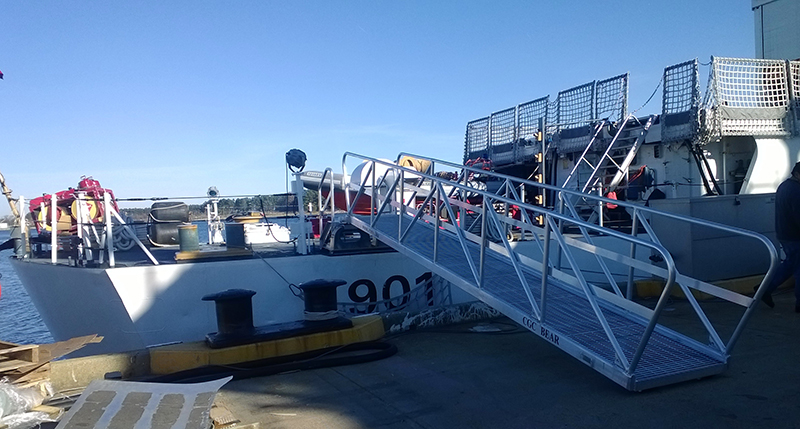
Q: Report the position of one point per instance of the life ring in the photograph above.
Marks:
(91, 206)
(63, 222)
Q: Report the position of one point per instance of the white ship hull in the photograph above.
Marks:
(140, 306)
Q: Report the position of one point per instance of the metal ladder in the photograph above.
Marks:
(606, 165)
(590, 318)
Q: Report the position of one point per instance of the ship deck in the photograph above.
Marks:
(450, 377)
(166, 254)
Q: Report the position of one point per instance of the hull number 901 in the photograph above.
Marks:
(394, 294)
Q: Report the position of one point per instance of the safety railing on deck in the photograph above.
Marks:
(93, 233)
(327, 207)
(680, 102)
(89, 231)
(474, 216)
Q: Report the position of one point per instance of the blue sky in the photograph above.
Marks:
(168, 98)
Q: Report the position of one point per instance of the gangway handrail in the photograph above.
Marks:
(589, 240)
(550, 215)
(629, 366)
(773, 254)
(626, 204)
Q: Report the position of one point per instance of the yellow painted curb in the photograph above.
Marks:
(180, 357)
(648, 288)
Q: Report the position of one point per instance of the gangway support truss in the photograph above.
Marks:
(422, 215)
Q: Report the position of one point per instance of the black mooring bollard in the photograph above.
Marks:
(320, 298)
(234, 311)
(235, 316)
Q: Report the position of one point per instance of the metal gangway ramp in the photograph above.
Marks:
(458, 221)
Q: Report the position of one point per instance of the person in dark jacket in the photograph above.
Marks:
(787, 228)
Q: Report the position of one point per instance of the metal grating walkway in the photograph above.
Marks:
(569, 323)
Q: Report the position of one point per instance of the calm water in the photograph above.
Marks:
(19, 320)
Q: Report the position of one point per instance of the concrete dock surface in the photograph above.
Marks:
(453, 377)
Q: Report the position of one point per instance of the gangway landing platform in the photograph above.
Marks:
(600, 326)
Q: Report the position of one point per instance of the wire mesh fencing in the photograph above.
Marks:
(502, 135)
(680, 102)
(476, 143)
